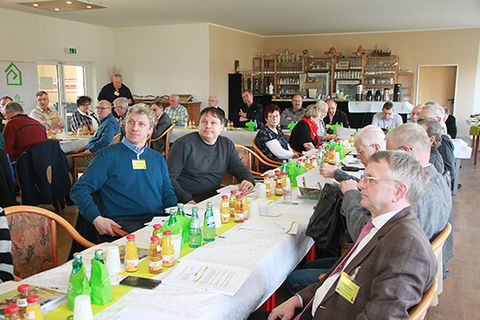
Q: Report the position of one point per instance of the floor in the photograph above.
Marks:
(459, 299)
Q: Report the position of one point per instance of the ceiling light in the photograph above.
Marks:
(63, 5)
(89, 7)
(56, 9)
(68, 2)
(35, 4)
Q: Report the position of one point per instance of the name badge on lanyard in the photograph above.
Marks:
(139, 165)
(347, 288)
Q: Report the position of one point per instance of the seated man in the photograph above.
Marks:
(47, 116)
(387, 119)
(335, 116)
(176, 112)
(213, 102)
(162, 122)
(3, 121)
(83, 116)
(392, 262)
(434, 132)
(6, 262)
(450, 123)
(120, 106)
(198, 161)
(249, 111)
(294, 114)
(131, 179)
(107, 129)
(21, 131)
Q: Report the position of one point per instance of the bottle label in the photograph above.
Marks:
(210, 222)
(30, 315)
(225, 217)
(131, 265)
(22, 302)
(168, 259)
(155, 265)
(239, 217)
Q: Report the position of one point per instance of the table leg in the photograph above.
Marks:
(475, 139)
(457, 176)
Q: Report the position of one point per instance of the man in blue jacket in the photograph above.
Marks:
(131, 179)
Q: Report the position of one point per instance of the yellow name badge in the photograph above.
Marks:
(139, 165)
(4, 121)
(347, 288)
(116, 93)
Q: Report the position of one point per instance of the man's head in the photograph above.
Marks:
(174, 101)
(433, 129)
(332, 107)
(387, 110)
(434, 110)
(412, 138)
(12, 109)
(297, 102)
(392, 181)
(211, 124)
(212, 101)
(41, 98)
(104, 108)
(415, 112)
(369, 140)
(121, 106)
(157, 107)
(83, 103)
(247, 97)
(139, 124)
(3, 102)
(117, 81)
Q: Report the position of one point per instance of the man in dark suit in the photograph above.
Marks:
(249, 111)
(334, 115)
(162, 122)
(392, 264)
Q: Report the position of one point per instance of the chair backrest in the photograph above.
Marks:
(116, 139)
(165, 134)
(269, 162)
(33, 231)
(418, 312)
(437, 244)
(248, 156)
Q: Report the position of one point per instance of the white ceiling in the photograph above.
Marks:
(280, 17)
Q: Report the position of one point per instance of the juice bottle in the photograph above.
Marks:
(284, 179)
(155, 261)
(11, 312)
(308, 165)
(33, 309)
(278, 187)
(195, 234)
(173, 224)
(157, 230)
(131, 254)
(167, 249)
(225, 209)
(238, 217)
(209, 231)
(267, 182)
(233, 194)
(313, 162)
(23, 292)
(245, 205)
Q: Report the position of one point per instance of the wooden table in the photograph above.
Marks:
(475, 133)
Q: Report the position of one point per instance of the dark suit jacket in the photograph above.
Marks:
(162, 124)
(339, 117)
(397, 266)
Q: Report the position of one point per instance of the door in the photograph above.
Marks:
(64, 83)
(437, 83)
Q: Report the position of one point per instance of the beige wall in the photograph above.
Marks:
(226, 46)
(34, 38)
(459, 47)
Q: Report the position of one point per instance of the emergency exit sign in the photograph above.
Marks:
(71, 50)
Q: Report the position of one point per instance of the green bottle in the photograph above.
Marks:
(184, 222)
(209, 224)
(195, 234)
(173, 225)
(78, 283)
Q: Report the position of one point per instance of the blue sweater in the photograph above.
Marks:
(106, 130)
(127, 194)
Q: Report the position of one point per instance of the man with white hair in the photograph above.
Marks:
(213, 102)
(178, 114)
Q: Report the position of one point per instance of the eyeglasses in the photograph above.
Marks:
(360, 151)
(369, 179)
(99, 108)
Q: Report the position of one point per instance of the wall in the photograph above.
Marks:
(226, 46)
(460, 47)
(35, 38)
(160, 60)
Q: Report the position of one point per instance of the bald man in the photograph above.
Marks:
(294, 114)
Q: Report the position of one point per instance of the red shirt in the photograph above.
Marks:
(22, 132)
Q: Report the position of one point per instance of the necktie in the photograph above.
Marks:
(366, 229)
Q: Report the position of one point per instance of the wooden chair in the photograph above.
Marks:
(248, 156)
(419, 311)
(73, 129)
(33, 231)
(437, 246)
(165, 134)
(269, 162)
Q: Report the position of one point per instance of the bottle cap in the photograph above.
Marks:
(23, 288)
(267, 175)
(224, 197)
(11, 309)
(233, 191)
(244, 194)
(33, 298)
(154, 238)
(157, 226)
(277, 171)
(167, 232)
(283, 173)
(239, 197)
(131, 237)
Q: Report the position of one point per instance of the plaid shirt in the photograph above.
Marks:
(179, 116)
(79, 120)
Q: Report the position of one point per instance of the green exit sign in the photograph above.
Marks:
(71, 50)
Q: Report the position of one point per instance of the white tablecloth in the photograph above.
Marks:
(376, 106)
(70, 144)
(242, 137)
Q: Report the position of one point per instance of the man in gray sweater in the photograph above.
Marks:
(198, 161)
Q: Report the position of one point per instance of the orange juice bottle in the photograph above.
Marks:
(238, 214)
(267, 182)
(313, 162)
(155, 257)
(308, 165)
(131, 254)
(245, 205)
(284, 179)
(279, 187)
(167, 249)
(225, 209)
(233, 194)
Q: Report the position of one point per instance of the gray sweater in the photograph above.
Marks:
(197, 169)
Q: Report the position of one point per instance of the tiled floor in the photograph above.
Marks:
(459, 299)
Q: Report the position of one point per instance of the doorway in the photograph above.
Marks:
(437, 83)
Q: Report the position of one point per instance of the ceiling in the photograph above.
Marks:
(279, 17)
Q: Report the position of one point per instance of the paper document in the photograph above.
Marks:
(129, 313)
(345, 133)
(210, 276)
(271, 225)
(312, 179)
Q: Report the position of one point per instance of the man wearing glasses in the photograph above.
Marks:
(106, 130)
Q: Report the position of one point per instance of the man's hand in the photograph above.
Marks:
(348, 185)
(191, 202)
(246, 186)
(242, 114)
(308, 146)
(104, 225)
(54, 123)
(327, 170)
(329, 137)
(86, 152)
(286, 310)
(78, 150)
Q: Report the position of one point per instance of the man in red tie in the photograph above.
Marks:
(392, 263)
